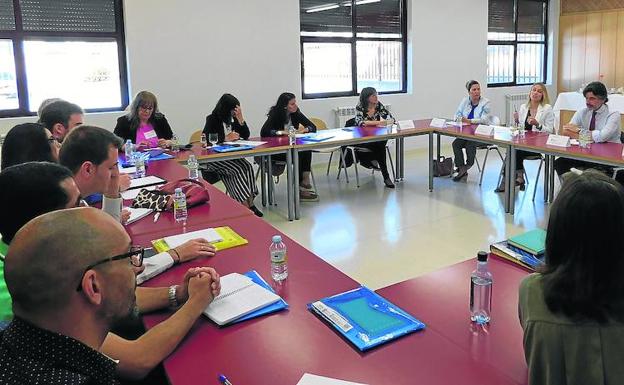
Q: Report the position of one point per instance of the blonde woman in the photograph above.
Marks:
(535, 115)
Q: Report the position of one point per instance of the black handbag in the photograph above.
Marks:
(443, 166)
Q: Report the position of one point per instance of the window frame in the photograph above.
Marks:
(515, 42)
(353, 42)
(19, 36)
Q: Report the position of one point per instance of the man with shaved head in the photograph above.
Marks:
(72, 276)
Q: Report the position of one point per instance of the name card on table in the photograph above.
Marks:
(558, 140)
(484, 130)
(405, 124)
(437, 122)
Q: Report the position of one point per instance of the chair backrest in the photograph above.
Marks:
(621, 136)
(319, 123)
(350, 122)
(495, 120)
(196, 136)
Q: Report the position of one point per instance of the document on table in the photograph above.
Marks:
(145, 181)
(136, 214)
(209, 234)
(252, 143)
(311, 379)
(126, 170)
(131, 194)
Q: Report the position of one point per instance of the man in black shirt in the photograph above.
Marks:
(72, 277)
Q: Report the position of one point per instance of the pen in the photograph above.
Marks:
(156, 216)
(223, 379)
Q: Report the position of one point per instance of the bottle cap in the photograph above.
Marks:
(277, 238)
(178, 191)
(482, 256)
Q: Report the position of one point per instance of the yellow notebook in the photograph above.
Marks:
(229, 239)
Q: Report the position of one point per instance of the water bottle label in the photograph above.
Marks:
(177, 205)
(278, 257)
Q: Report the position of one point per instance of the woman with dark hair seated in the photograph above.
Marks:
(284, 113)
(144, 125)
(226, 120)
(371, 112)
(29, 142)
(572, 312)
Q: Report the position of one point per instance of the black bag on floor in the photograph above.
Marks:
(443, 166)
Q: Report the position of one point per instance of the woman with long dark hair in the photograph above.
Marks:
(371, 112)
(29, 142)
(144, 125)
(227, 121)
(572, 312)
(284, 113)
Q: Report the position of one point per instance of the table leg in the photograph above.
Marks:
(507, 179)
(289, 185)
(551, 190)
(547, 166)
(512, 179)
(431, 160)
(295, 188)
(270, 185)
(263, 180)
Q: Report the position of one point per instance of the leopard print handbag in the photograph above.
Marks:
(155, 200)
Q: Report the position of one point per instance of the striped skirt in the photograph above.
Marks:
(237, 176)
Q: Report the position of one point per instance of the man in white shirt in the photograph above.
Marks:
(603, 125)
(91, 153)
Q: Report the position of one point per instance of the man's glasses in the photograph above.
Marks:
(53, 140)
(135, 254)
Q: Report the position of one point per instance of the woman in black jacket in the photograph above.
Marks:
(144, 125)
(284, 113)
(226, 120)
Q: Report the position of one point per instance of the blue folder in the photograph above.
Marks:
(231, 147)
(272, 308)
(365, 318)
(315, 138)
(149, 156)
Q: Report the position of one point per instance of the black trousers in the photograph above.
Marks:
(376, 151)
(471, 152)
(305, 162)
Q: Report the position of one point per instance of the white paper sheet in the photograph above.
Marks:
(208, 234)
(311, 379)
(145, 181)
(131, 194)
(252, 143)
(136, 214)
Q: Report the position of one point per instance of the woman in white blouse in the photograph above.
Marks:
(535, 115)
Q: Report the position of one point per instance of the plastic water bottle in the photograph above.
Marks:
(129, 147)
(481, 291)
(180, 214)
(279, 266)
(193, 167)
(292, 134)
(139, 164)
(175, 144)
(584, 138)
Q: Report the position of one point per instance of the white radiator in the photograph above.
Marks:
(513, 103)
(345, 113)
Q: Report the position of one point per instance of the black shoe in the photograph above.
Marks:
(462, 174)
(256, 212)
(388, 183)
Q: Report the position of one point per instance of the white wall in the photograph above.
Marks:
(189, 52)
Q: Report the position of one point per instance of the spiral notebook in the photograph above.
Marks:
(239, 297)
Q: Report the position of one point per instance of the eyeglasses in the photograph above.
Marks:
(146, 108)
(54, 141)
(135, 254)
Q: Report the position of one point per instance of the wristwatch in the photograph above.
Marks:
(173, 300)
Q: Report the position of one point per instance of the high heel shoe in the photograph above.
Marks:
(256, 212)
(388, 183)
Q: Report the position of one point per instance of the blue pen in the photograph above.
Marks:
(223, 379)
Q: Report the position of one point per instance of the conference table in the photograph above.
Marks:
(280, 348)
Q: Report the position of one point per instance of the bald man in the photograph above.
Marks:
(65, 310)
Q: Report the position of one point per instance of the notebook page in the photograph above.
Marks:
(209, 234)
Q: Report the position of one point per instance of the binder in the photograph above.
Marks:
(229, 238)
(231, 147)
(365, 318)
(505, 250)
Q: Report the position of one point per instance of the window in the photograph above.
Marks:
(349, 45)
(67, 49)
(516, 53)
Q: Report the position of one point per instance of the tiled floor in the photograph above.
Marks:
(380, 236)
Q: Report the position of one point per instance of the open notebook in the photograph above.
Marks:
(239, 297)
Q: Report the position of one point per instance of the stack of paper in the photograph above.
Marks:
(145, 181)
(170, 242)
(154, 266)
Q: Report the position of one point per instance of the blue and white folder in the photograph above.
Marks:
(277, 306)
(231, 147)
(365, 318)
(316, 138)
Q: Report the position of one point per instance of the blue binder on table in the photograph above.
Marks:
(365, 318)
(148, 156)
(231, 147)
(277, 306)
(316, 138)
